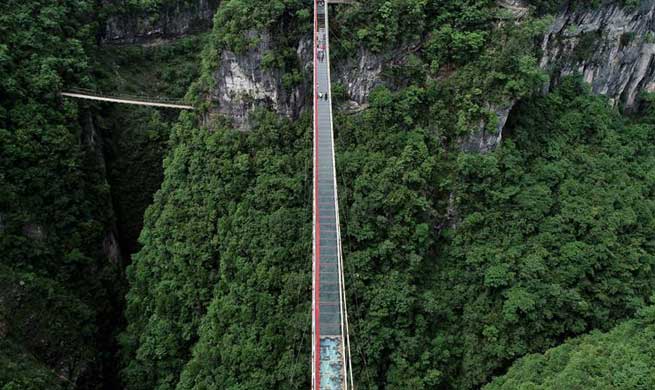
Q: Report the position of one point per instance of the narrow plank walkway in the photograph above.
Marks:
(134, 101)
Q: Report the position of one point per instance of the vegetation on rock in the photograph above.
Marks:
(458, 265)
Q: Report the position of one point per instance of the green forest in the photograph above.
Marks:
(147, 248)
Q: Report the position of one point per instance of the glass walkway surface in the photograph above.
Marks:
(330, 346)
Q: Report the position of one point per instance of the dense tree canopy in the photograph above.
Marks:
(547, 228)
(243, 197)
(137, 137)
(620, 359)
(554, 236)
(54, 206)
(45, 330)
(218, 299)
(458, 265)
(61, 285)
(19, 370)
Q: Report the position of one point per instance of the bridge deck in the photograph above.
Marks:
(330, 339)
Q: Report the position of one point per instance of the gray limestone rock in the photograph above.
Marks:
(518, 8)
(360, 75)
(169, 21)
(613, 48)
(484, 140)
(111, 248)
(242, 84)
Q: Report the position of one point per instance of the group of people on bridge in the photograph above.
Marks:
(320, 45)
(321, 49)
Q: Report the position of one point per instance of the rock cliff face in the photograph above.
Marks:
(613, 48)
(484, 140)
(518, 8)
(92, 139)
(172, 20)
(242, 83)
(360, 75)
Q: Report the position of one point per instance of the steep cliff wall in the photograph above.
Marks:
(359, 75)
(93, 141)
(485, 138)
(170, 20)
(612, 47)
(243, 83)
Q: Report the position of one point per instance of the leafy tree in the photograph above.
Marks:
(136, 137)
(218, 301)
